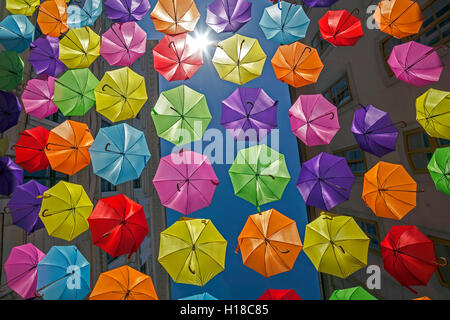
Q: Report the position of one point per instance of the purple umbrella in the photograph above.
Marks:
(44, 55)
(10, 108)
(126, 10)
(319, 3)
(249, 113)
(325, 181)
(228, 15)
(10, 176)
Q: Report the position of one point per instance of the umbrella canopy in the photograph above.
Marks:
(11, 71)
(63, 274)
(123, 43)
(64, 210)
(37, 97)
(319, 3)
(279, 294)
(239, 59)
(297, 64)
(74, 92)
(52, 18)
(123, 283)
(228, 15)
(341, 28)
(79, 48)
(30, 149)
(389, 190)
(44, 56)
(286, 24)
(175, 16)
(422, 298)
(314, 119)
(16, 33)
(201, 296)
(181, 115)
(11, 176)
(249, 113)
(126, 10)
(192, 251)
(433, 113)
(269, 243)
(120, 94)
(355, 293)
(177, 57)
(85, 14)
(25, 7)
(185, 181)
(336, 245)
(259, 175)
(9, 110)
(67, 147)
(119, 153)
(439, 168)
(21, 269)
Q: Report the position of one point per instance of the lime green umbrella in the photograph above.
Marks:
(11, 70)
(259, 175)
(356, 293)
(74, 92)
(181, 115)
(439, 168)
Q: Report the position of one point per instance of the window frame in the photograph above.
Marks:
(52, 179)
(320, 49)
(439, 274)
(340, 152)
(330, 91)
(378, 237)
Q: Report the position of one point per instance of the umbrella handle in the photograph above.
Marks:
(355, 11)
(175, 49)
(298, 61)
(6, 210)
(279, 4)
(43, 196)
(178, 187)
(444, 262)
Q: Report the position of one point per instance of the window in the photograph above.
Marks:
(137, 183)
(46, 177)
(320, 44)
(370, 228)
(339, 92)
(355, 157)
(57, 117)
(143, 268)
(442, 249)
(106, 186)
(109, 259)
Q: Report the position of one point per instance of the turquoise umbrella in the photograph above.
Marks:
(81, 14)
(16, 33)
(201, 296)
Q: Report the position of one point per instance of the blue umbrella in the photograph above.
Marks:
(16, 33)
(284, 23)
(81, 15)
(201, 296)
(119, 153)
(63, 274)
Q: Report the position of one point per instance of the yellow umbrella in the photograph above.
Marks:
(65, 209)
(25, 7)
(79, 48)
(336, 245)
(433, 113)
(239, 59)
(120, 94)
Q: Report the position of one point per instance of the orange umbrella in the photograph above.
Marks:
(389, 190)
(399, 18)
(52, 17)
(175, 16)
(67, 147)
(269, 243)
(297, 64)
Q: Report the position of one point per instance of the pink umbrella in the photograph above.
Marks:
(185, 181)
(314, 120)
(37, 97)
(123, 43)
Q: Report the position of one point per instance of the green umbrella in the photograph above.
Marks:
(356, 293)
(11, 70)
(181, 115)
(439, 168)
(259, 175)
(74, 92)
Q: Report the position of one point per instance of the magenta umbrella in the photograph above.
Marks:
(185, 181)
(123, 43)
(37, 97)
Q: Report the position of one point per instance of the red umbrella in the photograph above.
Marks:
(341, 28)
(408, 255)
(118, 225)
(177, 57)
(279, 294)
(30, 153)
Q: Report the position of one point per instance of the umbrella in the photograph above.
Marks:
(85, 14)
(422, 298)
(325, 181)
(67, 147)
(64, 210)
(120, 94)
(239, 59)
(284, 23)
(279, 294)
(409, 256)
(126, 10)
(389, 190)
(52, 17)
(123, 283)
(119, 153)
(37, 97)
(192, 251)
(123, 43)
(314, 119)
(185, 181)
(341, 28)
(11, 176)
(201, 296)
(16, 33)
(79, 48)
(433, 113)
(181, 115)
(74, 92)
(319, 3)
(336, 245)
(21, 269)
(63, 274)
(11, 71)
(118, 225)
(355, 293)
(297, 64)
(175, 16)
(399, 18)
(44, 56)
(249, 113)
(30, 149)
(269, 243)
(228, 15)
(25, 7)
(439, 168)
(9, 110)
(177, 58)
(259, 175)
